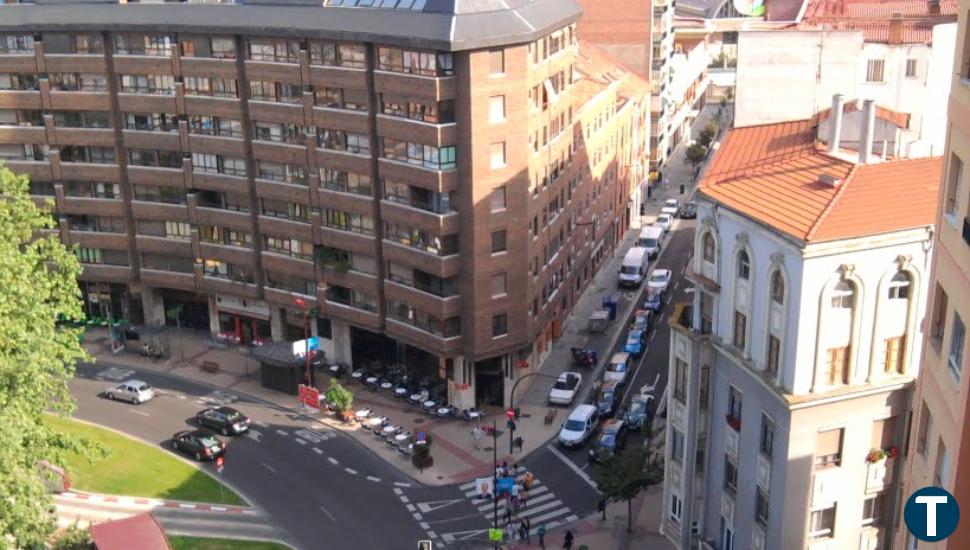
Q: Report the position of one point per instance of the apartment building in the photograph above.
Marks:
(899, 54)
(439, 182)
(939, 448)
(791, 371)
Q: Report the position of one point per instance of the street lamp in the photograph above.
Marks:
(302, 304)
(512, 403)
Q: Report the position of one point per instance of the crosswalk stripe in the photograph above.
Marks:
(550, 515)
(531, 510)
(536, 496)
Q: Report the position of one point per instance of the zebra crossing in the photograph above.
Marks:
(543, 507)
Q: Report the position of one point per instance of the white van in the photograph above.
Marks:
(634, 267)
(651, 238)
(578, 426)
(670, 211)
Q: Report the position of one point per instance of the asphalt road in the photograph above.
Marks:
(321, 488)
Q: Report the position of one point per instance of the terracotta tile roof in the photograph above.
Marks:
(599, 70)
(872, 17)
(897, 118)
(771, 172)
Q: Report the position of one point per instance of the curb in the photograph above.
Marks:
(155, 503)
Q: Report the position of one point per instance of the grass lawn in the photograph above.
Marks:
(136, 469)
(196, 543)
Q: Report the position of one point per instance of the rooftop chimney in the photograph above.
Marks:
(835, 125)
(896, 29)
(868, 129)
(933, 7)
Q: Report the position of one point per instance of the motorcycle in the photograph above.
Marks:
(584, 357)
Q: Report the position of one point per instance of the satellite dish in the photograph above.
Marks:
(750, 8)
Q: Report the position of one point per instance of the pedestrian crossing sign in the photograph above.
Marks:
(495, 535)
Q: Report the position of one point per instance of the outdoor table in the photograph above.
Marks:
(363, 413)
(386, 385)
(390, 430)
(402, 437)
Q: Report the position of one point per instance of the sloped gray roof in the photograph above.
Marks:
(441, 24)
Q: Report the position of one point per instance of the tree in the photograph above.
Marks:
(695, 155)
(38, 284)
(706, 136)
(624, 475)
(340, 397)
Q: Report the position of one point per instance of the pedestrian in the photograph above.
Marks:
(500, 471)
(515, 490)
(508, 514)
(510, 532)
(477, 435)
(529, 478)
(523, 498)
(523, 532)
(541, 533)
(528, 530)
(518, 443)
(515, 469)
(601, 508)
(567, 541)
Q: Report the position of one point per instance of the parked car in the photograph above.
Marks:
(688, 211)
(655, 300)
(660, 279)
(198, 444)
(636, 414)
(643, 320)
(607, 399)
(133, 391)
(610, 440)
(672, 203)
(664, 221)
(578, 426)
(226, 420)
(563, 392)
(618, 368)
(636, 342)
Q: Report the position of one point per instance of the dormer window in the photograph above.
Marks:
(899, 286)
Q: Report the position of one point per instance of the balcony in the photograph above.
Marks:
(433, 180)
(147, 103)
(85, 136)
(20, 99)
(90, 101)
(426, 87)
(164, 245)
(439, 266)
(281, 226)
(438, 306)
(106, 273)
(421, 338)
(218, 285)
(208, 66)
(341, 119)
(879, 474)
(417, 131)
(18, 63)
(224, 107)
(91, 205)
(156, 175)
(143, 139)
(75, 63)
(289, 265)
(167, 279)
(419, 217)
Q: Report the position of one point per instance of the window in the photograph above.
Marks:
(347, 221)
(178, 230)
(837, 366)
(274, 49)
(911, 68)
(346, 182)
(893, 363)
(727, 535)
(152, 122)
(498, 241)
(842, 295)
(433, 158)
(676, 507)
(872, 508)
(415, 62)
(214, 126)
(442, 112)
(734, 405)
(496, 62)
(351, 56)
(940, 303)
(767, 440)
(500, 325)
(708, 247)
(774, 355)
(497, 154)
(148, 84)
(744, 266)
(884, 433)
(822, 523)
(828, 448)
(496, 109)
(677, 446)
(777, 288)
(958, 335)
(899, 286)
(16, 44)
(144, 44)
(941, 470)
(874, 70)
(680, 380)
(499, 284)
(740, 329)
(730, 475)
(954, 180)
(925, 430)
(761, 506)
(498, 199)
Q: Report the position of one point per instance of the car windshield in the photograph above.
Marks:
(633, 339)
(575, 425)
(608, 441)
(606, 397)
(637, 407)
(658, 277)
(649, 243)
(208, 441)
(629, 270)
(143, 387)
(617, 367)
(563, 385)
(653, 297)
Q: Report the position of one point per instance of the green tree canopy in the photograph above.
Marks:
(706, 135)
(624, 475)
(38, 284)
(696, 154)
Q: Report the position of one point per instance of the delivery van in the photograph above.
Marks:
(634, 267)
(651, 238)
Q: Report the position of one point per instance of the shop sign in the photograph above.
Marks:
(242, 306)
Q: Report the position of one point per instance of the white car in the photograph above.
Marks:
(133, 391)
(564, 391)
(664, 221)
(578, 426)
(659, 279)
(672, 203)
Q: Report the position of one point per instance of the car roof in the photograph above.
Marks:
(634, 332)
(226, 410)
(660, 271)
(198, 432)
(650, 231)
(608, 385)
(620, 357)
(135, 382)
(612, 426)
(581, 412)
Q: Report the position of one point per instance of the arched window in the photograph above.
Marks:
(744, 266)
(777, 288)
(899, 286)
(843, 295)
(708, 243)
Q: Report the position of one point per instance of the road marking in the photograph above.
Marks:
(374, 479)
(318, 451)
(462, 535)
(437, 504)
(267, 466)
(329, 515)
(398, 492)
(432, 534)
(333, 460)
(573, 467)
(114, 373)
(410, 507)
(300, 441)
(261, 424)
(253, 434)
(181, 396)
(312, 435)
(351, 471)
(218, 509)
(139, 412)
(424, 525)
(282, 433)
(401, 484)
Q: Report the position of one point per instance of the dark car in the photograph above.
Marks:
(607, 399)
(610, 440)
(225, 420)
(655, 300)
(198, 444)
(688, 211)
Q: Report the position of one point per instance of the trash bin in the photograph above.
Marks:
(610, 304)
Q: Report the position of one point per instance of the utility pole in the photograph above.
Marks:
(494, 476)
